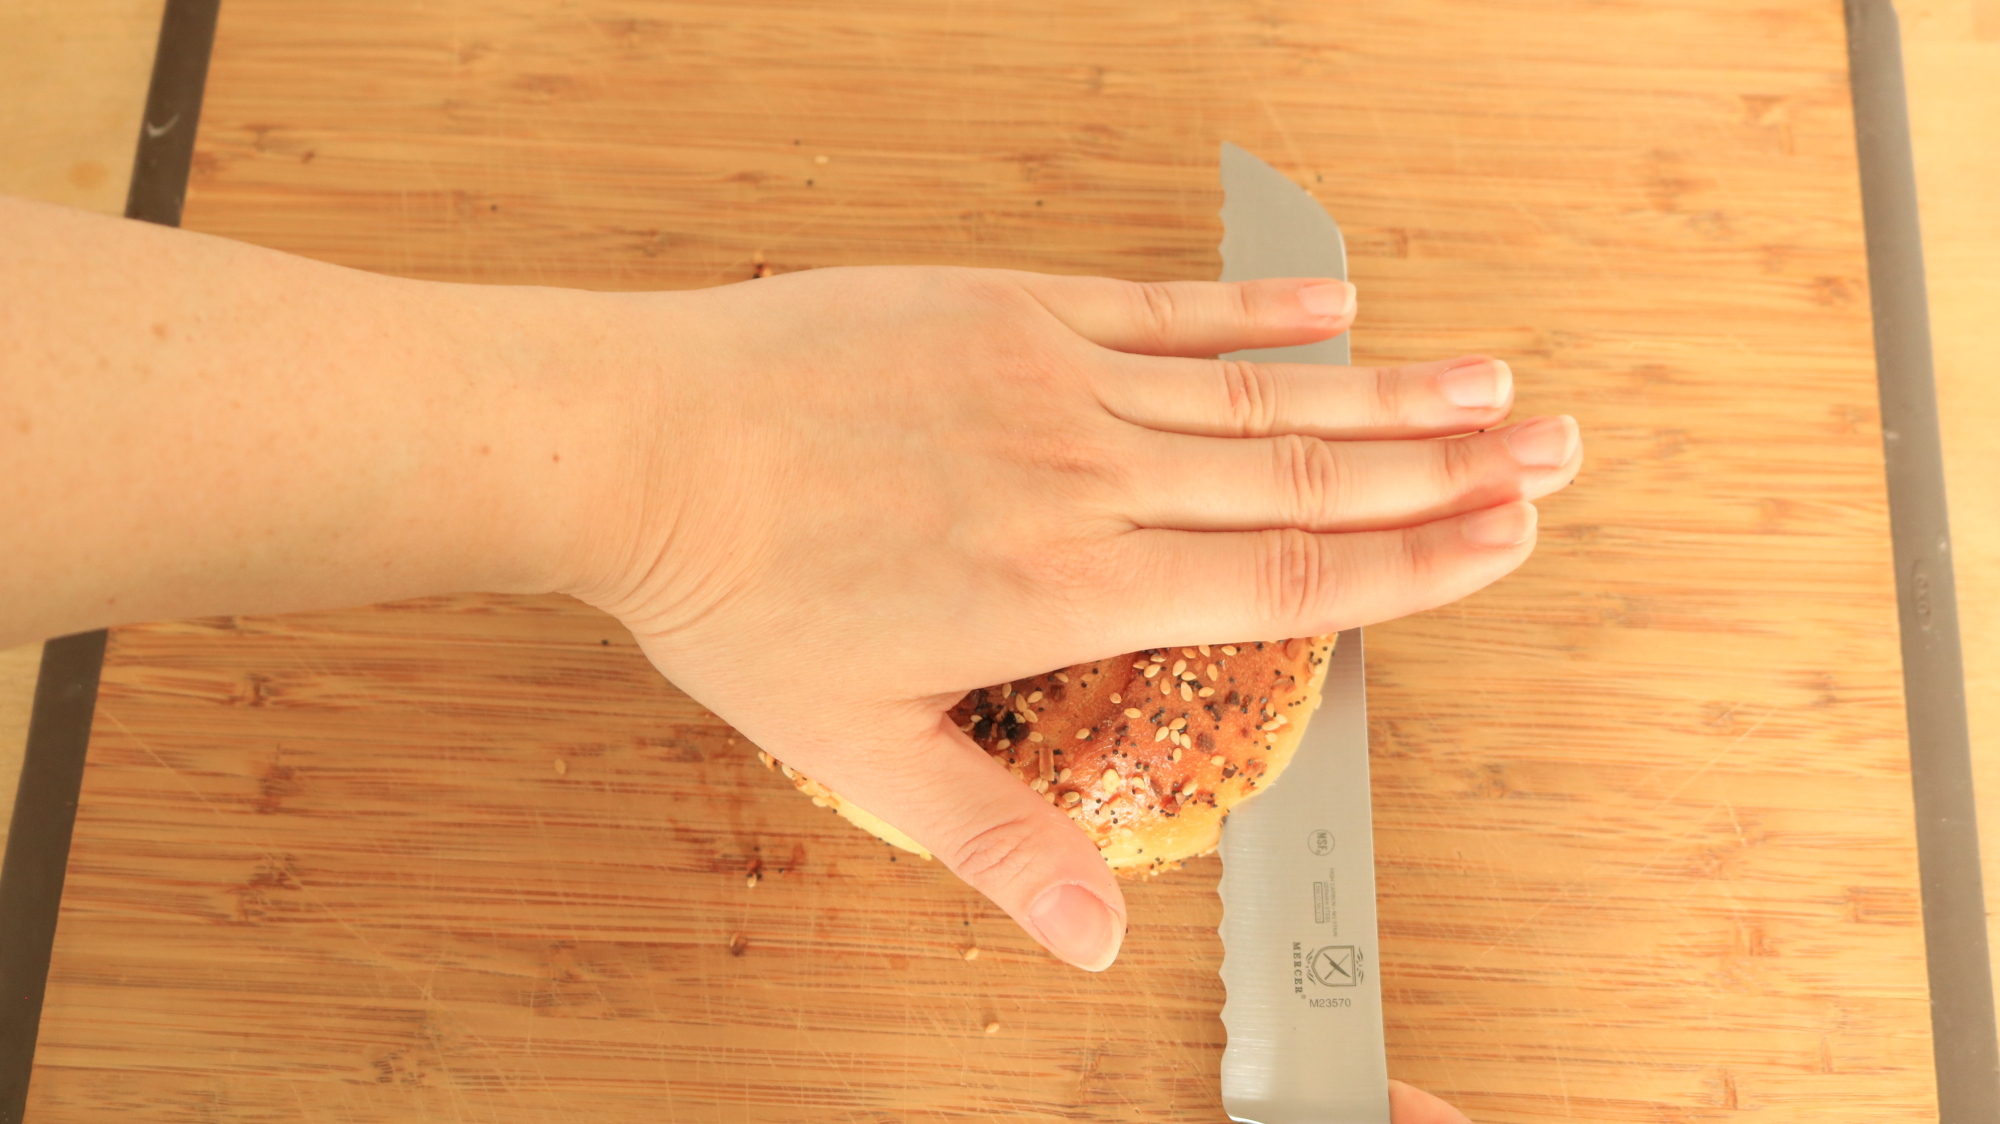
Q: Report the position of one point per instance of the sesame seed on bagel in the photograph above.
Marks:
(1148, 751)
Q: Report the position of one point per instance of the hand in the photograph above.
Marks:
(827, 503)
(866, 491)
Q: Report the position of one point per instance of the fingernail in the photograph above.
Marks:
(1511, 525)
(1477, 386)
(1544, 442)
(1077, 926)
(1331, 299)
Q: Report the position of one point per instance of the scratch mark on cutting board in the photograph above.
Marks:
(1284, 134)
(1717, 758)
(379, 956)
(1562, 1078)
(1567, 890)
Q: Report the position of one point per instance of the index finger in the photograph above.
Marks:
(1195, 318)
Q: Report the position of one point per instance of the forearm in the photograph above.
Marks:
(192, 426)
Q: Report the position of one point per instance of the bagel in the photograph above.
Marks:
(1147, 752)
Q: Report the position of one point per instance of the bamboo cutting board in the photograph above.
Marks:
(1643, 820)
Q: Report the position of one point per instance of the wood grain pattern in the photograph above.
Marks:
(1952, 53)
(1643, 823)
(73, 77)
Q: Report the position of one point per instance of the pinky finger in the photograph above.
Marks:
(1203, 586)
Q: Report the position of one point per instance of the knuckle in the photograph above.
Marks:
(996, 854)
(1157, 313)
(1291, 584)
(1417, 559)
(1249, 397)
(1309, 478)
(1077, 583)
(1074, 462)
(1388, 394)
(1458, 466)
(1244, 306)
(1051, 567)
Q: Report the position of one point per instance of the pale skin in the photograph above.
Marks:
(904, 483)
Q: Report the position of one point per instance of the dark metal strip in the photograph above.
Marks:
(31, 877)
(1954, 901)
(31, 880)
(173, 109)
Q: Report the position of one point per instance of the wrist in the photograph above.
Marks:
(560, 436)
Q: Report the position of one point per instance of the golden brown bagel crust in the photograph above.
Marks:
(1148, 751)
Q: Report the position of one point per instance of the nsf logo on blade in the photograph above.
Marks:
(1334, 965)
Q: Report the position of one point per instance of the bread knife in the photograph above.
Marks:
(1304, 1005)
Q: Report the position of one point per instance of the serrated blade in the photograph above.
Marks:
(1304, 1009)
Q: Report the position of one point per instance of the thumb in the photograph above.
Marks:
(1003, 839)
